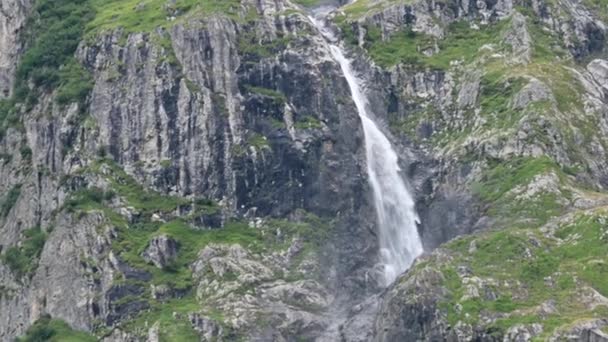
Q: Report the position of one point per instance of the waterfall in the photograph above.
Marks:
(397, 218)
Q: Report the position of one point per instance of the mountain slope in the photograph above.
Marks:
(194, 170)
(511, 98)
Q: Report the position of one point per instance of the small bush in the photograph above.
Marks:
(54, 330)
(10, 200)
(40, 331)
(26, 153)
(75, 85)
(88, 198)
(24, 260)
(54, 32)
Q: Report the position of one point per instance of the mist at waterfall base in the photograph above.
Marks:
(399, 240)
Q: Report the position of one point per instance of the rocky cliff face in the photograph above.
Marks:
(13, 16)
(499, 96)
(196, 171)
(236, 129)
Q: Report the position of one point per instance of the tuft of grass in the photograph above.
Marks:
(143, 200)
(528, 268)
(253, 48)
(148, 15)
(504, 176)
(277, 96)
(10, 200)
(76, 83)
(54, 330)
(87, 199)
(54, 32)
(307, 3)
(308, 122)
(495, 99)
(357, 9)
(258, 141)
(23, 260)
(461, 43)
(501, 177)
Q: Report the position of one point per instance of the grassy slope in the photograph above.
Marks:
(147, 15)
(52, 330)
(524, 268)
(86, 19)
(133, 238)
(57, 27)
(499, 255)
(539, 255)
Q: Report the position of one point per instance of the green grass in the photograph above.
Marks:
(506, 175)
(171, 327)
(258, 141)
(53, 34)
(26, 153)
(145, 201)
(500, 177)
(461, 43)
(54, 330)
(308, 122)
(307, 3)
(76, 83)
(276, 96)
(254, 48)
(9, 115)
(133, 237)
(23, 260)
(359, 8)
(519, 261)
(147, 15)
(87, 199)
(497, 91)
(598, 7)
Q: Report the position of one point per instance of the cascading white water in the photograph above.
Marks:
(397, 219)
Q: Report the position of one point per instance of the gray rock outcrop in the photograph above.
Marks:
(161, 251)
(13, 16)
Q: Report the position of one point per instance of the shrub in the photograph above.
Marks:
(88, 198)
(54, 330)
(26, 153)
(24, 260)
(10, 200)
(54, 32)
